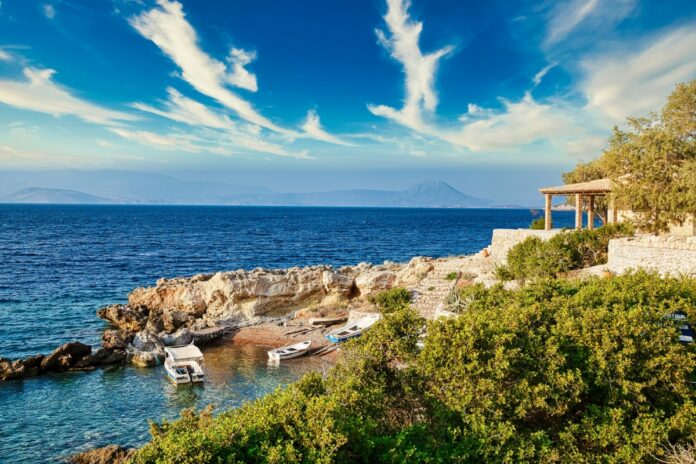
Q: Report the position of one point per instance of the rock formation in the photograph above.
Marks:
(112, 454)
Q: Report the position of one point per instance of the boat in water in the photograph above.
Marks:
(290, 351)
(184, 364)
(354, 329)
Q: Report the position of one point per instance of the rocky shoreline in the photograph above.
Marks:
(206, 307)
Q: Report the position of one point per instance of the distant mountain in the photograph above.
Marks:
(47, 195)
(123, 187)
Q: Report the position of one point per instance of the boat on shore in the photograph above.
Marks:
(184, 364)
(354, 329)
(290, 351)
(327, 320)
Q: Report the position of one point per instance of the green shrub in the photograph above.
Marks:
(538, 224)
(568, 371)
(558, 371)
(391, 300)
(454, 275)
(568, 250)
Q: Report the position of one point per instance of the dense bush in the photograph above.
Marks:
(559, 371)
(391, 300)
(563, 252)
(538, 224)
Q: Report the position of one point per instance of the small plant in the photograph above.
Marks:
(391, 300)
(430, 289)
(454, 275)
(538, 224)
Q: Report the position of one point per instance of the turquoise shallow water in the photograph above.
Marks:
(57, 415)
(58, 264)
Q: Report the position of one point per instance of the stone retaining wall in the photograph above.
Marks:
(504, 239)
(665, 254)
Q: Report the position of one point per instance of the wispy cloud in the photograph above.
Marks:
(313, 128)
(540, 75)
(167, 27)
(240, 76)
(185, 110)
(4, 56)
(636, 80)
(49, 11)
(39, 93)
(567, 16)
(402, 42)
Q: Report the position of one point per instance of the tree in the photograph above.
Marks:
(651, 163)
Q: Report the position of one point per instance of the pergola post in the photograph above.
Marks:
(578, 210)
(613, 214)
(548, 222)
(590, 213)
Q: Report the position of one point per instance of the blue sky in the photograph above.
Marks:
(247, 89)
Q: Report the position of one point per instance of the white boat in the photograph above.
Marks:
(327, 320)
(184, 364)
(353, 329)
(290, 351)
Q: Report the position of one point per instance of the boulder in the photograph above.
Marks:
(335, 282)
(114, 339)
(155, 323)
(149, 342)
(11, 370)
(112, 454)
(141, 358)
(62, 357)
(125, 317)
(183, 336)
(415, 271)
(375, 281)
(32, 365)
(114, 357)
(174, 318)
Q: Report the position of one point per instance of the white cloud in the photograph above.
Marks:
(567, 16)
(518, 124)
(313, 128)
(634, 81)
(240, 76)
(402, 44)
(167, 27)
(169, 141)
(185, 110)
(39, 93)
(49, 11)
(4, 56)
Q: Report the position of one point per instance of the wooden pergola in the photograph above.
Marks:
(581, 191)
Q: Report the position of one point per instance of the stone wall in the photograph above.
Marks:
(504, 239)
(664, 254)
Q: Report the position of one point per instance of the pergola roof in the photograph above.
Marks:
(598, 187)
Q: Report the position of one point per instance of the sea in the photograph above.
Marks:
(60, 263)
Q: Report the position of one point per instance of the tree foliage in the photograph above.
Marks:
(652, 163)
(559, 371)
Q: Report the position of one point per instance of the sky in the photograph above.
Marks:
(308, 95)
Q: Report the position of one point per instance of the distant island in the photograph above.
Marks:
(122, 187)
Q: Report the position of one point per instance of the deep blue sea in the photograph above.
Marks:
(59, 264)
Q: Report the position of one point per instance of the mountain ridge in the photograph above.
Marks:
(428, 194)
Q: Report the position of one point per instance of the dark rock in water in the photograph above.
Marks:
(11, 370)
(62, 357)
(32, 365)
(114, 339)
(125, 317)
(112, 454)
(114, 357)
